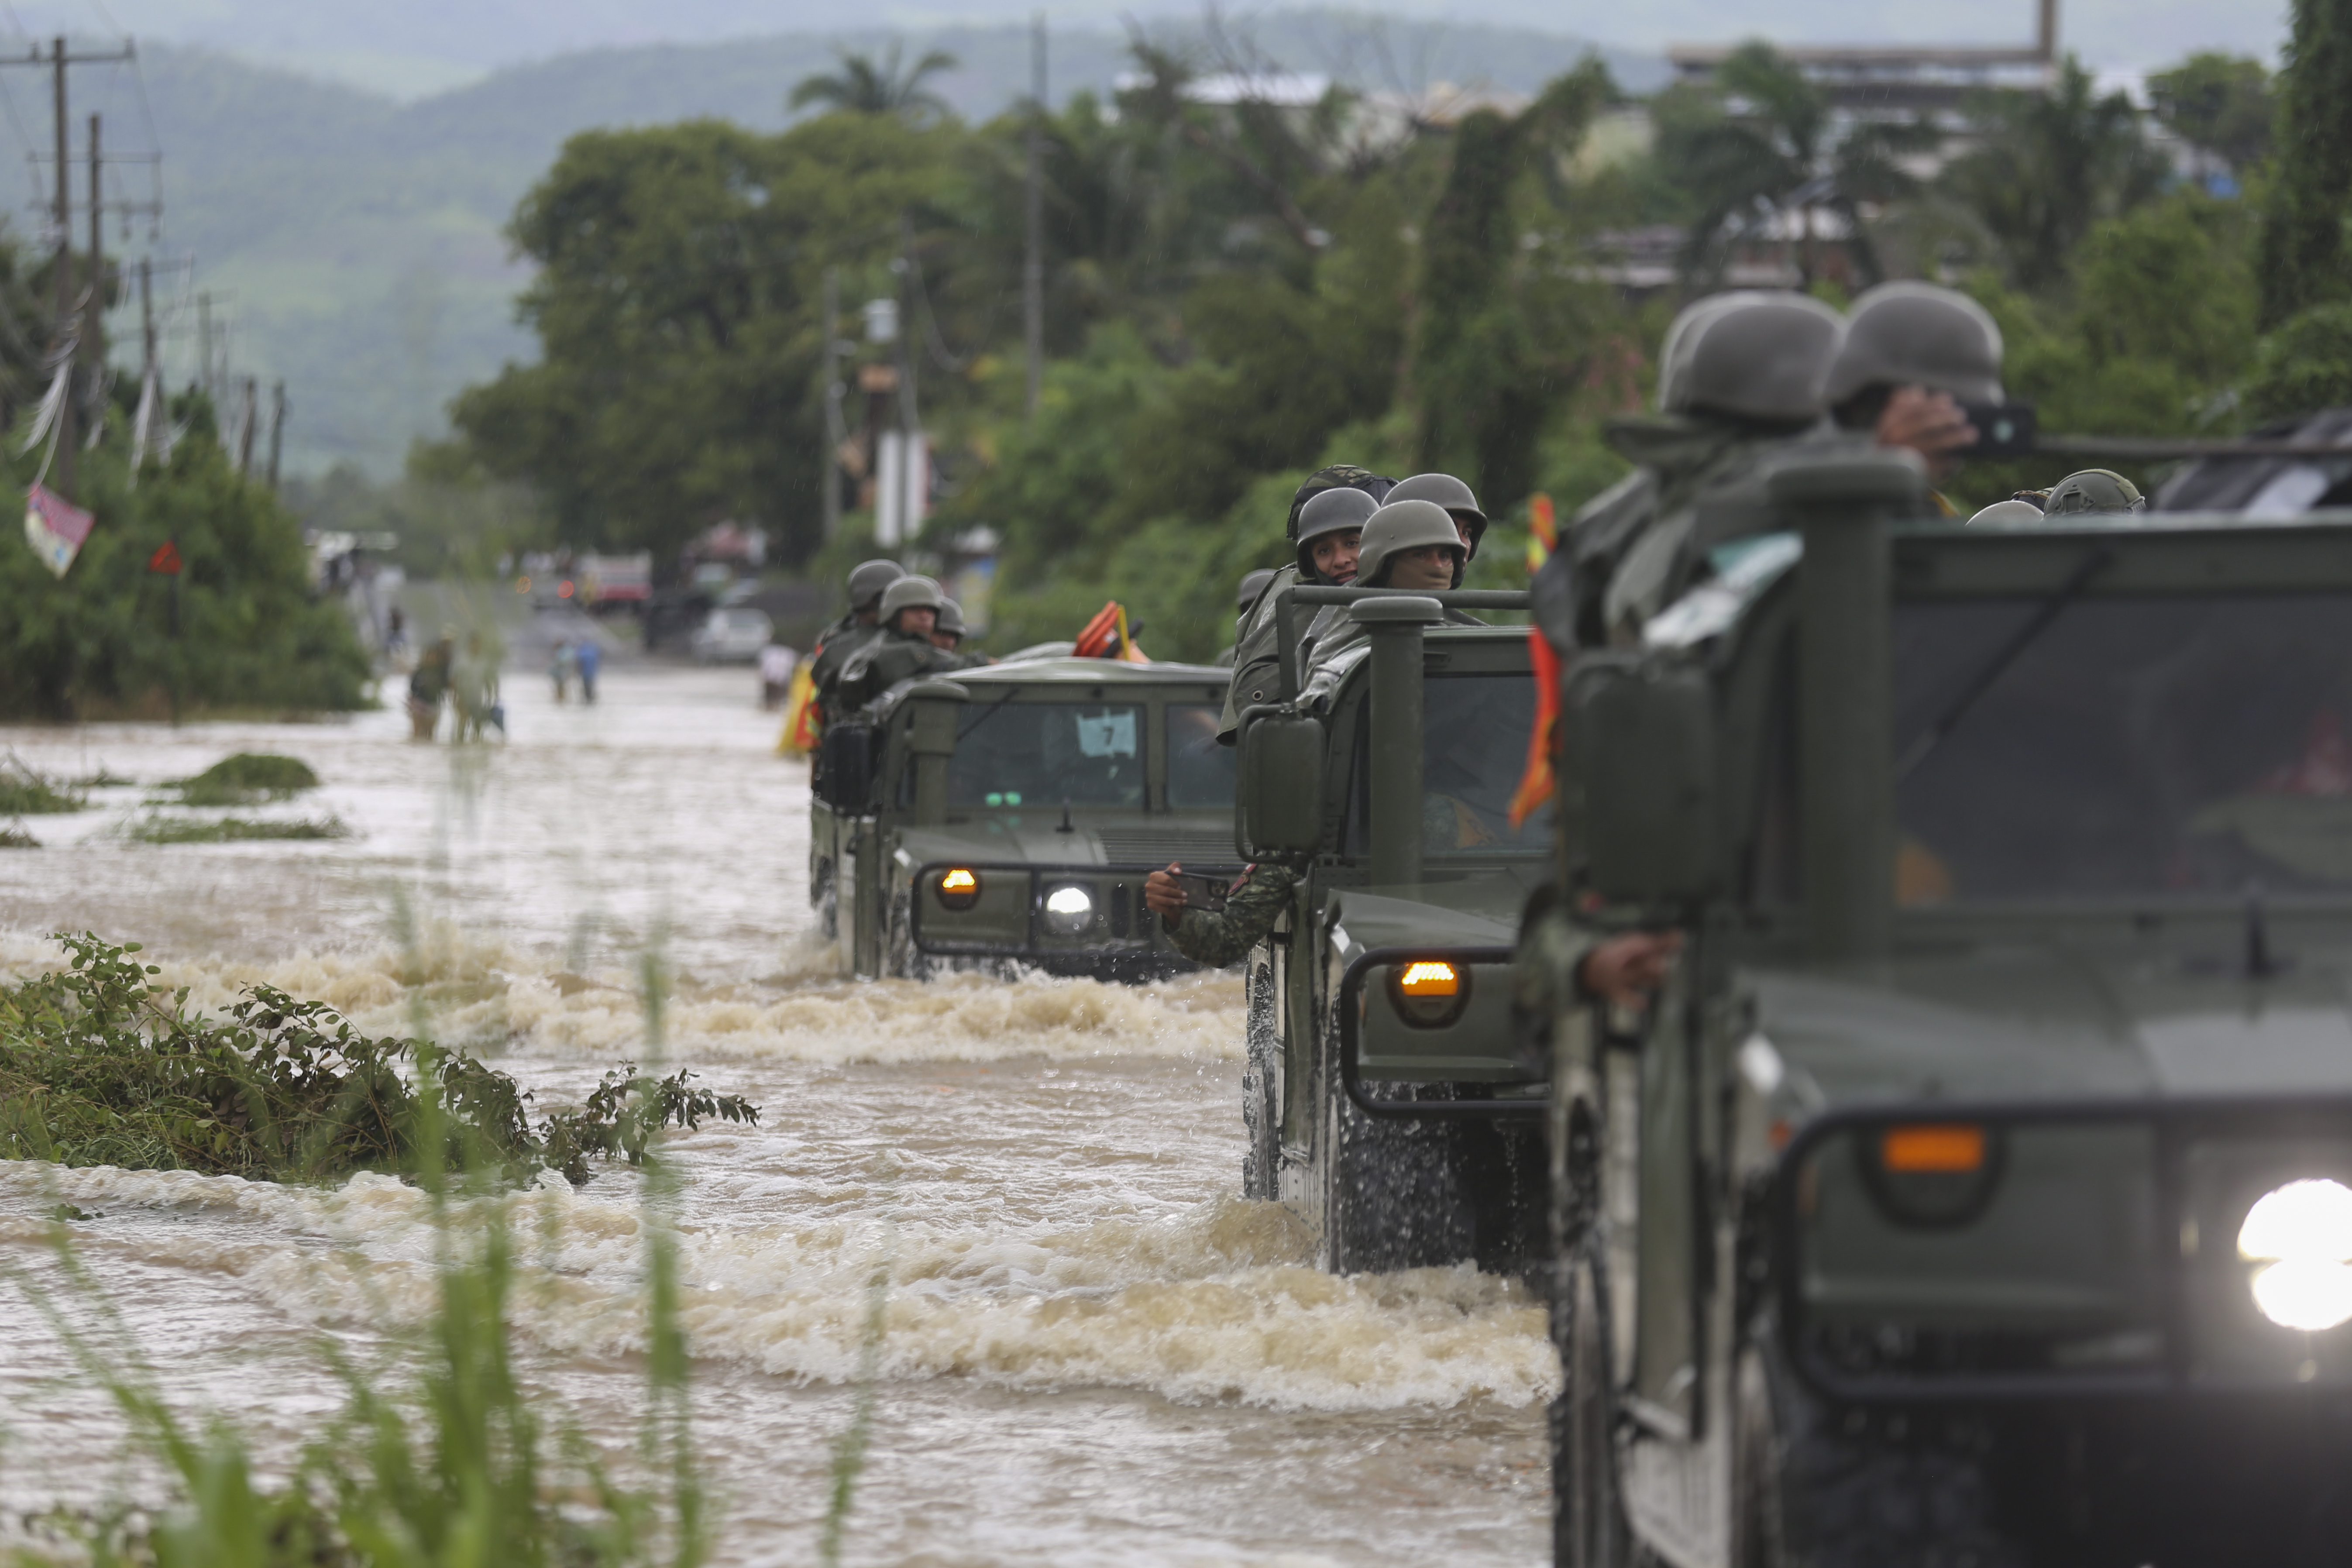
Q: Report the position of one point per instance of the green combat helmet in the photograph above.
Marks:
(2011, 513)
(1339, 476)
(1914, 334)
(950, 621)
(1329, 513)
(1253, 584)
(868, 579)
(1452, 495)
(1400, 526)
(1750, 354)
(909, 594)
(2095, 491)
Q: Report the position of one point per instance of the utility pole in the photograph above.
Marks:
(1032, 265)
(829, 469)
(205, 351)
(93, 332)
(66, 444)
(277, 430)
(248, 415)
(147, 317)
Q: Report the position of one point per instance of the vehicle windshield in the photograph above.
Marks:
(1474, 731)
(1042, 753)
(2135, 747)
(1200, 771)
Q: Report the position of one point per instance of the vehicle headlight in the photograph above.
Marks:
(1428, 993)
(959, 887)
(1069, 910)
(2302, 1235)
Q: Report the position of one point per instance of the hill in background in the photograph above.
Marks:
(360, 237)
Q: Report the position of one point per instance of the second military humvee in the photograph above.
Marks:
(1980, 1189)
(1008, 815)
(1385, 1099)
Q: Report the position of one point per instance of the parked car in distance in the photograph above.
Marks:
(730, 637)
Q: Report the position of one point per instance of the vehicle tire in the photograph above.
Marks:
(1392, 1192)
(1261, 1079)
(900, 959)
(1824, 1487)
(1589, 1528)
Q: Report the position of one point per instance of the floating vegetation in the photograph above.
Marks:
(105, 778)
(100, 1066)
(233, 830)
(15, 837)
(245, 779)
(25, 792)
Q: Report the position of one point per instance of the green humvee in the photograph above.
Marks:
(1009, 814)
(1385, 1098)
(1980, 1189)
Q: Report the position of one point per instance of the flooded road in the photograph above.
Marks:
(1093, 1350)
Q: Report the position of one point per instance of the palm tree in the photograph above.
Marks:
(1762, 148)
(2051, 165)
(861, 86)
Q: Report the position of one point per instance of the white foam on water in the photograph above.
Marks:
(485, 998)
(1220, 1304)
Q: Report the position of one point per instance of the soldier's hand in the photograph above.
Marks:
(1929, 423)
(1160, 892)
(1624, 970)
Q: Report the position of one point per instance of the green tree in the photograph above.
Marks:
(2051, 165)
(862, 87)
(1499, 341)
(2303, 261)
(679, 272)
(2219, 104)
(1758, 144)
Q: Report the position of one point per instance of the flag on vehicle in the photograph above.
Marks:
(1543, 532)
(55, 528)
(1536, 782)
(1105, 637)
(803, 720)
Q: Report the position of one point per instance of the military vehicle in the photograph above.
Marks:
(1979, 1188)
(1009, 814)
(1384, 1098)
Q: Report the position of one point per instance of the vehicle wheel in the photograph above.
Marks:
(1392, 1191)
(1827, 1487)
(1588, 1517)
(902, 960)
(1261, 1075)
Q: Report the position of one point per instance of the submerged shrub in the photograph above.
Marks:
(233, 830)
(248, 777)
(100, 1066)
(26, 793)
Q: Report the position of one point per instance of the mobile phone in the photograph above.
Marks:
(2004, 429)
(1203, 892)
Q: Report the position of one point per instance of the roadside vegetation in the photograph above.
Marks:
(100, 1065)
(1235, 293)
(439, 1452)
(24, 791)
(247, 778)
(155, 828)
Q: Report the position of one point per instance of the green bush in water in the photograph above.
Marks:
(232, 830)
(100, 1066)
(248, 777)
(26, 793)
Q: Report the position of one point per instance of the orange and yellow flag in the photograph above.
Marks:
(804, 719)
(1537, 783)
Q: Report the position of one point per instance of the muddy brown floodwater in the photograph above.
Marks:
(1095, 1351)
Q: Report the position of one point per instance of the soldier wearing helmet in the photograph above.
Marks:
(2094, 490)
(909, 614)
(843, 640)
(947, 632)
(1255, 655)
(1459, 501)
(1330, 531)
(1409, 544)
(1740, 376)
(1913, 352)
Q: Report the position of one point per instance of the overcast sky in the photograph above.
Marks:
(409, 46)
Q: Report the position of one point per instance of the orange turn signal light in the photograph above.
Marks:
(1945, 1149)
(1426, 977)
(959, 887)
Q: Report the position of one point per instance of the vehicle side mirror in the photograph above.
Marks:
(1279, 801)
(1645, 751)
(846, 766)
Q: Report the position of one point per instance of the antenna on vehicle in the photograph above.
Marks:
(2261, 963)
(1066, 826)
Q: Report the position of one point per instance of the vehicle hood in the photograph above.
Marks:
(1203, 842)
(2031, 1025)
(1479, 911)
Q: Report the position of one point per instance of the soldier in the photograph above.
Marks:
(1458, 499)
(908, 612)
(1253, 584)
(947, 632)
(1913, 354)
(1256, 657)
(841, 641)
(1330, 531)
(1740, 376)
(2094, 490)
(1412, 544)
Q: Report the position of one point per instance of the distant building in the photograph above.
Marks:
(1902, 79)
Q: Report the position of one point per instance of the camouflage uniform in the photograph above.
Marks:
(840, 642)
(1224, 938)
(883, 662)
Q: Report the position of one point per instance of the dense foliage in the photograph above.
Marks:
(100, 1066)
(1237, 292)
(239, 628)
